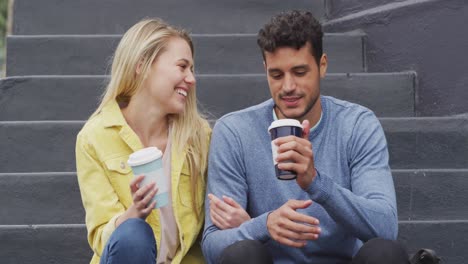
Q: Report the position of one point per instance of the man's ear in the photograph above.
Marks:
(323, 65)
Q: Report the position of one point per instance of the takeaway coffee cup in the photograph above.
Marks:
(148, 162)
(282, 128)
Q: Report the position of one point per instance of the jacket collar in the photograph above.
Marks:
(112, 117)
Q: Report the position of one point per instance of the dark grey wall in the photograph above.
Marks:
(44, 17)
(429, 37)
(339, 8)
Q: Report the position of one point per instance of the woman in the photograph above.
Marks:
(149, 101)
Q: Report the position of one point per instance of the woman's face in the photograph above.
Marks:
(170, 78)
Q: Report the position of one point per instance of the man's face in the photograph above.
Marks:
(294, 81)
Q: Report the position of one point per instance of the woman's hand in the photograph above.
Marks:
(226, 213)
(141, 206)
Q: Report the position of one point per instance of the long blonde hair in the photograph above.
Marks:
(140, 46)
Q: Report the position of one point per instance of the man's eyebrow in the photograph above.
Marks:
(273, 70)
(301, 67)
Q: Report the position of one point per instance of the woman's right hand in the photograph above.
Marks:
(141, 206)
(226, 213)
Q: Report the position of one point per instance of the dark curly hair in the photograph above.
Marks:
(291, 29)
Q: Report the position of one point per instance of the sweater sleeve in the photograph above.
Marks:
(368, 208)
(226, 176)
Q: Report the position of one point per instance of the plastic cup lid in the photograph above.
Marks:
(144, 156)
(284, 122)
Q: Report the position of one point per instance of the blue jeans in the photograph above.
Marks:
(132, 242)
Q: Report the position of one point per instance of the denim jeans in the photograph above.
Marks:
(132, 242)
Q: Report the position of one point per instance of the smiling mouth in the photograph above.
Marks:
(291, 101)
(182, 92)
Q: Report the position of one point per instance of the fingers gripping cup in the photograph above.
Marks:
(282, 128)
(148, 162)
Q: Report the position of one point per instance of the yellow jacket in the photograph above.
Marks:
(102, 150)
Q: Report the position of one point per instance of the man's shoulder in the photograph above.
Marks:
(348, 116)
(340, 105)
(348, 110)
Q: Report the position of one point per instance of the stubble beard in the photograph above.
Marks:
(309, 106)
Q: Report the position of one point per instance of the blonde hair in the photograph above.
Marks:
(140, 47)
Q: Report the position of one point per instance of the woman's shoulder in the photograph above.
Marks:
(92, 126)
(207, 127)
(207, 131)
(107, 117)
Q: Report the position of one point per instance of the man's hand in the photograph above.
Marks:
(291, 228)
(295, 154)
(226, 213)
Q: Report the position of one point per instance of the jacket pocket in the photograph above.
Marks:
(118, 165)
(185, 189)
(120, 175)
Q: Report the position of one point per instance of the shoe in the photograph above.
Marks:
(425, 256)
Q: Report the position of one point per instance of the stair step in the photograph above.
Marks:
(38, 146)
(340, 8)
(44, 244)
(427, 142)
(48, 244)
(431, 194)
(76, 97)
(226, 54)
(421, 195)
(40, 198)
(115, 16)
(414, 143)
(447, 238)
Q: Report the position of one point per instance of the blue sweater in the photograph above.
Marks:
(353, 194)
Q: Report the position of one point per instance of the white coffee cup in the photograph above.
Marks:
(148, 162)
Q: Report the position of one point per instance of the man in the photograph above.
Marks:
(343, 195)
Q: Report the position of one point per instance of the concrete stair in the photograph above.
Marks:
(57, 243)
(54, 196)
(76, 97)
(92, 54)
(70, 248)
(57, 71)
(115, 17)
(414, 143)
(421, 195)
